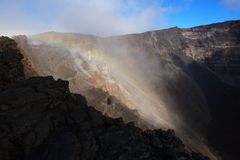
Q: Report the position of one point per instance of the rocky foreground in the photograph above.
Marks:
(40, 119)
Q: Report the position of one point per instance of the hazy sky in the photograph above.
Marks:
(110, 17)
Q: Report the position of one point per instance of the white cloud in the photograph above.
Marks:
(232, 4)
(108, 18)
(15, 20)
(98, 17)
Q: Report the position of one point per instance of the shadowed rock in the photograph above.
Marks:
(11, 68)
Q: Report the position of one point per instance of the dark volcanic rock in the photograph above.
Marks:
(41, 120)
(11, 68)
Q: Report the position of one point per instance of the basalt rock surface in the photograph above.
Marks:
(41, 120)
(11, 68)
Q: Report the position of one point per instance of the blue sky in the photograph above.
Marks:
(205, 12)
(111, 17)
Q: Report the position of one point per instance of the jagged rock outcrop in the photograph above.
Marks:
(40, 119)
(11, 68)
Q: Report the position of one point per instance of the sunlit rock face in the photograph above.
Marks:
(149, 78)
(87, 72)
(217, 46)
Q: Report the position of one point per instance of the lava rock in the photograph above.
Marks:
(11, 68)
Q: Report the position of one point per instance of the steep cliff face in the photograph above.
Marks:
(40, 119)
(184, 79)
(216, 46)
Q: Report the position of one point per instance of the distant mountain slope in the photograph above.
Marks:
(184, 79)
(40, 119)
